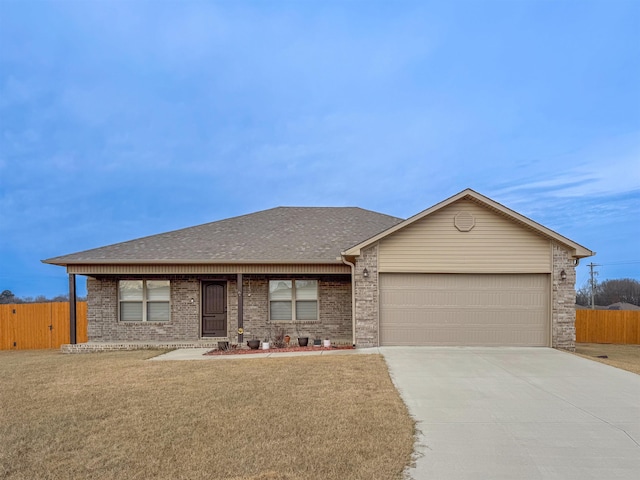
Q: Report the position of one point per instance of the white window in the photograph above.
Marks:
(293, 300)
(144, 300)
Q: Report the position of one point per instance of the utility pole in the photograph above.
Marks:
(593, 284)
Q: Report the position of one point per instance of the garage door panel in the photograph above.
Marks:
(429, 309)
(467, 317)
(462, 299)
(480, 336)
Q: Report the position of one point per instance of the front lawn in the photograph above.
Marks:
(117, 416)
(626, 357)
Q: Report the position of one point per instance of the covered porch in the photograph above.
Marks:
(204, 308)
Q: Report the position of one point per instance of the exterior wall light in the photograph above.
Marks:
(365, 273)
(563, 275)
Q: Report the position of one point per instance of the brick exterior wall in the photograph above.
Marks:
(334, 303)
(102, 313)
(367, 298)
(334, 306)
(563, 301)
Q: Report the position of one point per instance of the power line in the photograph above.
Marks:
(634, 262)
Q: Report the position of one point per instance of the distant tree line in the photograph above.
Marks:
(7, 296)
(626, 290)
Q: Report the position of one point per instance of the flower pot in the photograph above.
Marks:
(303, 341)
(253, 344)
(287, 339)
(265, 345)
(326, 343)
(317, 342)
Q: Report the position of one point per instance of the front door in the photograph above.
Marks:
(214, 309)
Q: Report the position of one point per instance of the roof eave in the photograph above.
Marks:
(62, 263)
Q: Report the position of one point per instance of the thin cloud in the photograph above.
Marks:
(611, 167)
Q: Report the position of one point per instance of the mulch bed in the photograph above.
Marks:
(247, 351)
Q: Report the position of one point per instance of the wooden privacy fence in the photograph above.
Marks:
(46, 325)
(608, 326)
(27, 326)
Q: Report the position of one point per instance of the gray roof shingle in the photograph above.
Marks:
(277, 235)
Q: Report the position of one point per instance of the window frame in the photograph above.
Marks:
(294, 299)
(145, 301)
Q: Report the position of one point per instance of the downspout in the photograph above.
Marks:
(353, 299)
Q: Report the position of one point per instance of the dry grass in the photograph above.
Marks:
(116, 416)
(626, 357)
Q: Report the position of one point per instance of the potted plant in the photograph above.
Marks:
(317, 341)
(302, 341)
(287, 339)
(253, 344)
(265, 344)
(327, 343)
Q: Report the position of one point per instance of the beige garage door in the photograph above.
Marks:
(454, 309)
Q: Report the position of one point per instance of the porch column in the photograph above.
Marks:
(240, 311)
(72, 308)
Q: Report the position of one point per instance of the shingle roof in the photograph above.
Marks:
(282, 235)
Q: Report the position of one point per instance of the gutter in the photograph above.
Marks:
(353, 299)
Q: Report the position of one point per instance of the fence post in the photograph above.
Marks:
(72, 308)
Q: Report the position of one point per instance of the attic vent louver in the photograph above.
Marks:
(464, 221)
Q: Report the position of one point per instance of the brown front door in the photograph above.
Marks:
(214, 309)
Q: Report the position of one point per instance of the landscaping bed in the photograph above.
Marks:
(248, 351)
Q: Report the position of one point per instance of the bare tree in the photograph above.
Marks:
(7, 296)
(626, 290)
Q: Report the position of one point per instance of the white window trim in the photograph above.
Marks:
(294, 299)
(144, 300)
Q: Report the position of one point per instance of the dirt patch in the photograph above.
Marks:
(246, 351)
(626, 357)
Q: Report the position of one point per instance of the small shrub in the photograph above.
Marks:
(278, 338)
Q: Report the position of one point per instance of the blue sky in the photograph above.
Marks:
(120, 119)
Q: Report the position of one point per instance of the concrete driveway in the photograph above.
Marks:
(518, 413)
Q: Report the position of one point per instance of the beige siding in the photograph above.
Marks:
(207, 269)
(455, 309)
(494, 245)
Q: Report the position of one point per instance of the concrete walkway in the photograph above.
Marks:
(199, 354)
(518, 413)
